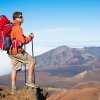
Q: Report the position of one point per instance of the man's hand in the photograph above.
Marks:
(32, 35)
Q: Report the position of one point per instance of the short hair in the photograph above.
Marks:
(16, 14)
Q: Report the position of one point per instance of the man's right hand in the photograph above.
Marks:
(32, 35)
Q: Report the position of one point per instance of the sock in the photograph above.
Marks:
(13, 85)
(29, 78)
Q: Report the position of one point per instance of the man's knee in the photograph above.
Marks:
(34, 62)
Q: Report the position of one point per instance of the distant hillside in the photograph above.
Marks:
(65, 60)
(93, 74)
(94, 51)
(81, 94)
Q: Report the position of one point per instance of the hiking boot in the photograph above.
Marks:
(14, 91)
(31, 84)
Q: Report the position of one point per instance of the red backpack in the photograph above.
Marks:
(5, 30)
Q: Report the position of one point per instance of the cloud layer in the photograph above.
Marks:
(58, 30)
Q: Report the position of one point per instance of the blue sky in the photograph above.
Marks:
(75, 23)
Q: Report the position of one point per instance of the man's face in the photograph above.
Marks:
(20, 19)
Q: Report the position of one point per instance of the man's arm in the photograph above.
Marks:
(20, 37)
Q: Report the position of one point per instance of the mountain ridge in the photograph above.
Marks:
(66, 61)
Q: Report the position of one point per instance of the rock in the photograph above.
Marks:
(26, 93)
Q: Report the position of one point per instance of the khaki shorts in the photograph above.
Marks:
(19, 59)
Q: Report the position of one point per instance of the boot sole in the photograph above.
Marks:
(31, 85)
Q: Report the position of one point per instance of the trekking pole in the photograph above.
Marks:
(25, 65)
(33, 56)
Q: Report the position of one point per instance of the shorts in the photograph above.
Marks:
(19, 59)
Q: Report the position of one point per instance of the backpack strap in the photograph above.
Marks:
(2, 38)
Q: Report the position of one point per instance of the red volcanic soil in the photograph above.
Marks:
(42, 78)
(82, 94)
(88, 84)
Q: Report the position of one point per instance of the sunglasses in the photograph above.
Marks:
(20, 17)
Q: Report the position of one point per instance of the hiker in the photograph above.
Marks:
(17, 54)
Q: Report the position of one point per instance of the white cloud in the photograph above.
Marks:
(38, 50)
(58, 30)
(5, 64)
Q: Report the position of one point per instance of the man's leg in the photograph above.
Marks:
(13, 77)
(31, 70)
(30, 75)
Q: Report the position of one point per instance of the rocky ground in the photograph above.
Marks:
(26, 93)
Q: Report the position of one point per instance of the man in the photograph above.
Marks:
(17, 54)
